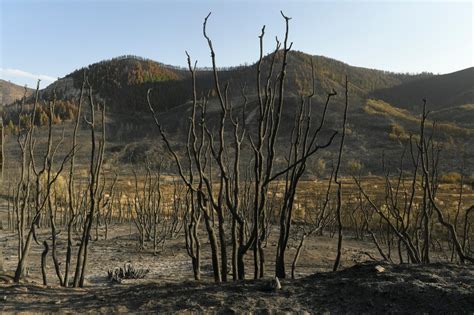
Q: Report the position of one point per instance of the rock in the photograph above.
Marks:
(276, 284)
(379, 268)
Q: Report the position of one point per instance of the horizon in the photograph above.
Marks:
(92, 31)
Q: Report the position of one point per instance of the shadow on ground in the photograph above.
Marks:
(435, 288)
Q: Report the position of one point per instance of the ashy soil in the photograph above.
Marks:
(436, 288)
(361, 286)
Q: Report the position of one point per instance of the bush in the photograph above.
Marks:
(354, 166)
(127, 272)
(451, 177)
(398, 133)
(58, 189)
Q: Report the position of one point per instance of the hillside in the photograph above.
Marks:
(10, 92)
(441, 91)
(123, 82)
(330, 73)
(379, 118)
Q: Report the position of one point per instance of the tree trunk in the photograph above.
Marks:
(234, 250)
(214, 249)
(297, 256)
(222, 240)
(43, 262)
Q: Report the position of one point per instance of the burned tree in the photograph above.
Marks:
(211, 169)
(42, 178)
(95, 170)
(410, 205)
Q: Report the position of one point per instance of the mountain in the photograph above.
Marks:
(441, 91)
(330, 74)
(10, 92)
(384, 107)
(123, 82)
(450, 97)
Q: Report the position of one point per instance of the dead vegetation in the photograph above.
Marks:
(237, 216)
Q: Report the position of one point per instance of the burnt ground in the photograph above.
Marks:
(357, 288)
(435, 288)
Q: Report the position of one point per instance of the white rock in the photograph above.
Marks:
(379, 268)
(277, 284)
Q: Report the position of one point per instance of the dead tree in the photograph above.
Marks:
(192, 219)
(407, 210)
(43, 262)
(467, 226)
(197, 162)
(304, 144)
(431, 189)
(22, 193)
(107, 205)
(95, 170)
(44, 179)
(72, 201)
(339, 184)
(315, 220)
(212, 154)
(152, 218)
(49, 176)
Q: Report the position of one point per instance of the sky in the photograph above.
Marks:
(48, 39)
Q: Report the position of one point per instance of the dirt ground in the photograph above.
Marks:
(437, 288)
(357, 288)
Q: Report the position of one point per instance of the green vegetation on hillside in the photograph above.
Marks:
(18, 119)
(379, 107)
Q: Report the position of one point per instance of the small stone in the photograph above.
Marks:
(277, 284)
(379, 268)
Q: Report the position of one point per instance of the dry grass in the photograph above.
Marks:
(379, 107)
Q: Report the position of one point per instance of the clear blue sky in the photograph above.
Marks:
(52, 38)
